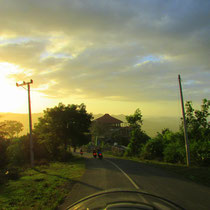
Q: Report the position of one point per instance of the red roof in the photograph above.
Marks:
(108, 119)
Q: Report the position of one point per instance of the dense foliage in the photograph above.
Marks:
(63, 126)
(10, 128)
(59, 128)
(137, 137)
(169, 146)
(3, 151)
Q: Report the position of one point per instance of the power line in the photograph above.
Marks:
(32, 90)
(24, 88)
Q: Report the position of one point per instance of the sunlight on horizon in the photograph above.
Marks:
(15, 99)
(12, 98)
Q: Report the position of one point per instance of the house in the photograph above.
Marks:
(105, 128)
(109, 121)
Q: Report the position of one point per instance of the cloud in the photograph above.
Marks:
(116, 50)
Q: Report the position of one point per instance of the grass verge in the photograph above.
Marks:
(196, 174)
(43, 187)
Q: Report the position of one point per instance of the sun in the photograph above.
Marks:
(13, 99)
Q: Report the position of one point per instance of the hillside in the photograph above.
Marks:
(151, 125)
(23, 118)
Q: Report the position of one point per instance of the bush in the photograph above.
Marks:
(138, 139)
(88, 147)
(153, 149)
(41, 152)
(107, 147)
(174, 153)
(2, 177)
(3, 152)
(15, 153)
(199, 152)
(117, 151)
(64, 156)
(12, 173)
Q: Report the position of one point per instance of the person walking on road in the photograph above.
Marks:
(81, 152)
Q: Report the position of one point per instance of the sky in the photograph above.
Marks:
(114, 56)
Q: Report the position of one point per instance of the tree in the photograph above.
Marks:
(62, 126)
(10, 128)
(198, 129)
(153, 149)
(121, 137)
(202, 116)
(138, 137)
(2, 131)
(197, 120)
(135, 120)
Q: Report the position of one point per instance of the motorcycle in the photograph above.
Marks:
(124, 199)
(94, 154)
(100, 156)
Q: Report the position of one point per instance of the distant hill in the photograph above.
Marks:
(151, 125)
(23, 118)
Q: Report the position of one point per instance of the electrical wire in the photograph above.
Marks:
(23, 87)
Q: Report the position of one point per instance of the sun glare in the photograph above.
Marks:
(13, 99)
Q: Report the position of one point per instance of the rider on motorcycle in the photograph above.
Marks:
(99, 153)
(94, 153)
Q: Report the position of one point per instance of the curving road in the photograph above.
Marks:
(117, 173)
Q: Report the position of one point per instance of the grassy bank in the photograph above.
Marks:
(43, 187)
(196, 174)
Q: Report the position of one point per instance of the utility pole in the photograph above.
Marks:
(30, 120)
(185, 127)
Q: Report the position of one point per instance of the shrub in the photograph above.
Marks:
(117, 151)
(107, 147)
(2, 177)
(64, 156)
(138, 139)
(15, 154)
(153, 149)
(3, 152)
(174, 153)
(13, 173)
(199, 152)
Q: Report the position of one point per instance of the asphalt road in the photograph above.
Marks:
(117, 173)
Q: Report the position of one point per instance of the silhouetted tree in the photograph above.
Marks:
(197, 120)
(138, 137)
(62, 126)
(135, 120)
(10, 128)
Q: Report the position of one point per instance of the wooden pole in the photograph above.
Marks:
(184, 121)
(30, 120)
